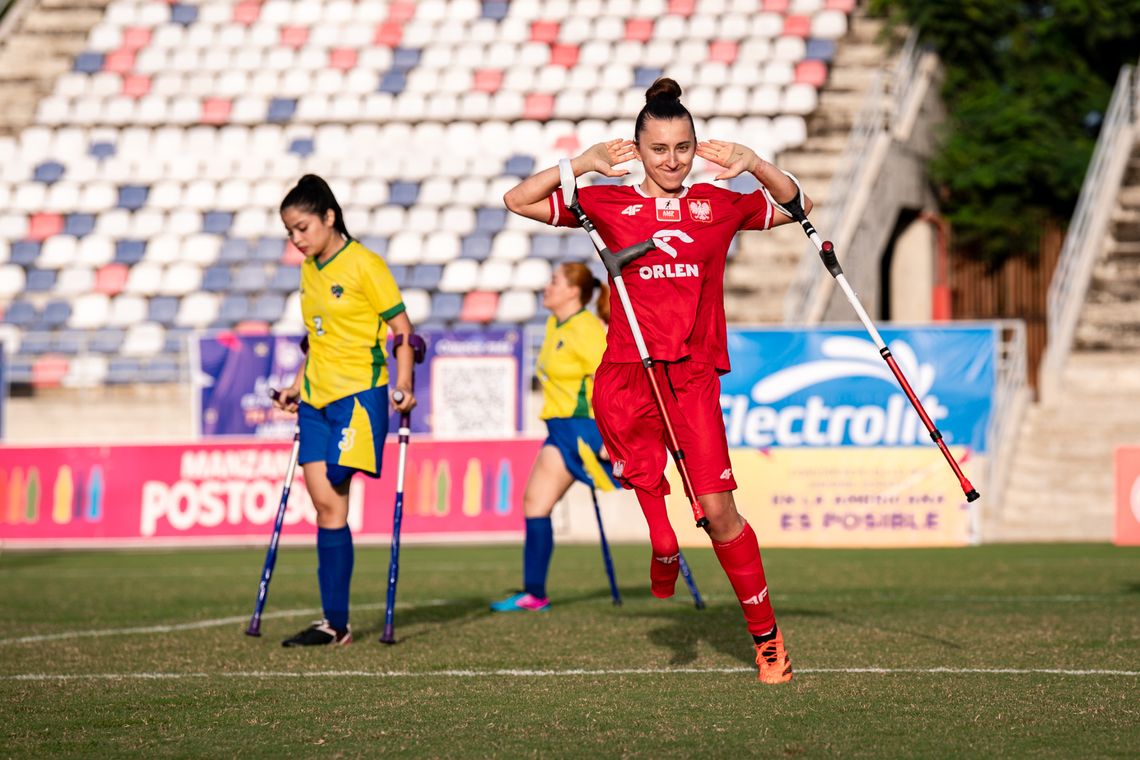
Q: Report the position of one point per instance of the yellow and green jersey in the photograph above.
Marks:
(571, 352)
(346, 302)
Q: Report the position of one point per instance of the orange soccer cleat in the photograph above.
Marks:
(773, 661)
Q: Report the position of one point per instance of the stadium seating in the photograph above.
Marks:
(144, 200)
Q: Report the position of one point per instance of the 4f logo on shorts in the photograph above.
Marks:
(668, 209)
(700, 210)
(727, 474)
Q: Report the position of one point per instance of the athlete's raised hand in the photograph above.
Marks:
(604, 156)
(734, 157)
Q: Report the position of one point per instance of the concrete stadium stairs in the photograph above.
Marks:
(38, 41)
(758, 276)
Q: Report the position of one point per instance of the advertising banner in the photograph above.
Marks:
(827, 450)
(228, 492)
(1127, 469)
(469, 385)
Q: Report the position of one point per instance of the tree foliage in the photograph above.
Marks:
(1025, 84)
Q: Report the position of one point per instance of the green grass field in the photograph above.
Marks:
(1002, 651)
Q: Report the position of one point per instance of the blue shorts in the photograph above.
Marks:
(348, 434)
(579, 442)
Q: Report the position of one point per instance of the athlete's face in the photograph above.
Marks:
(312, 235)
(559, 295)
(666, 148)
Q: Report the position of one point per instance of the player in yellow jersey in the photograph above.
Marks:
(349, 301)
(574, 342)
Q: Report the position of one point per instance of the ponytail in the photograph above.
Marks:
(580, 276)
(602, 305)
(313, 195)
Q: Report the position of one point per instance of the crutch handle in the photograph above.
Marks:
(615, 262)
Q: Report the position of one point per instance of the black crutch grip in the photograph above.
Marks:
(830, 259)
(615, 262)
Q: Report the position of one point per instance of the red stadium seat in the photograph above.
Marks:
(811, 72)
(119, 61)
(681, 7)
(294, 36)
(776, 6)
(48, 371)
(544, 31)
(136, 37)
(723, 51)
(136, 85)
(639, 29)
(841, 5)
(537, 106)
(216, 110)
(252, 327)
(479, 306)
(567, 145)
(401, 11)
(564, 55)
(797, 26)
(292, 256)
(488, 80)
(247, 12)
(111, 279)
(342, 58)
(389, 34)
(43, 225)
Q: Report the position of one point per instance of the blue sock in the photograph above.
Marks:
(334, 573)
(537, 550)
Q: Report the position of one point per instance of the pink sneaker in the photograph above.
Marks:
(521, 601)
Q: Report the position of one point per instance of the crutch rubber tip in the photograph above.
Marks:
(252, 632)
(699, 604)
(617, 602)
(973, 495)
(389, 642)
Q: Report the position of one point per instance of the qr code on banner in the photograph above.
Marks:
(474, 396)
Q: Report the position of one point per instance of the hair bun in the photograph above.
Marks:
(663, 89)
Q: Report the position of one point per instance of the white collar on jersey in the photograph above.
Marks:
(641, 192)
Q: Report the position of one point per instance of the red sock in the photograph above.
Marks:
(740, 559)
(663, 566)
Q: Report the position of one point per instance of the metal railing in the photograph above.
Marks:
(1086, 235)
(1011, 395)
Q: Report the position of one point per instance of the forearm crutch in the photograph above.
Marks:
(606, 558)
(419, 350)
(795, 210)
(614, 262)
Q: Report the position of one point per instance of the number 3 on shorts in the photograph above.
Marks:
(347, 439)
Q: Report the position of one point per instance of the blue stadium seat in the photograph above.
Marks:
(55, 314)
(495, 10)
(133, 197)
(476, 246)
(461, 326)
(393, 82)
(267, 307)
(19, 369)
(24, 252)
(175, 339)
(643, 76)
(88, 62)
(404, 58)
(234, 309)
(519, 166)
(269, 249)
(67, 342)
(579, 248)
(129, 251)
(822, 50)
(40, 280)
(49, 172)
(122, 370)
(401, 193)
(160, 369)
(79, 224)
(106, 341)
(183, 14)
(302, 146)
(547, 246)
(280, 110)
(101, 149)
(249, 278)
(446, 305)
(425, 276)
(599, 180)
(399, 274)
(35, 343)
(286, 279)
(21, 313)
(490, 220)
(431, 323)
(378, 244)
(234, 251)
(216, 279)
(162, 309)
(217, 222)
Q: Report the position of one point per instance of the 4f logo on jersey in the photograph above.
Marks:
(337, 291)
(632, 210)
(668, 209)
(700, 210)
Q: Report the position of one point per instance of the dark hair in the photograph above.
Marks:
(662, 101)
(580, 276)
(313, 195)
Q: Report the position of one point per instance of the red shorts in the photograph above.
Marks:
(634, 432)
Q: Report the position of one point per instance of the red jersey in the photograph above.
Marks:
(677, 291)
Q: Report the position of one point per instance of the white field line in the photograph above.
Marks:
(197, 624)
(511, 673)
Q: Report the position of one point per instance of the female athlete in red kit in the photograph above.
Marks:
(677, 293)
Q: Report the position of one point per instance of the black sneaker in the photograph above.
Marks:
(320, 633)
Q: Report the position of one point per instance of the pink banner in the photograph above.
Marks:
(229, 493)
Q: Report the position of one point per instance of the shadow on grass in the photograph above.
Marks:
(424, 619)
